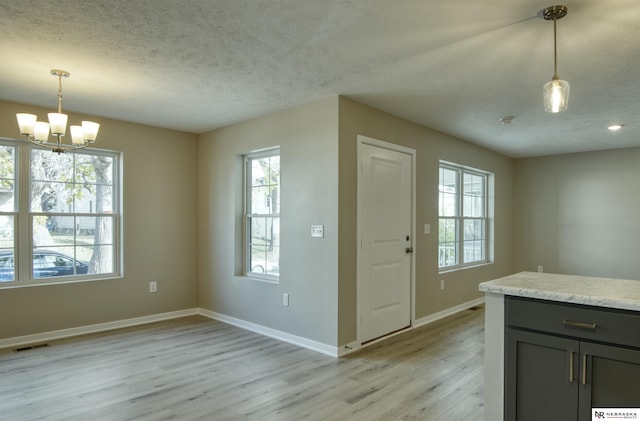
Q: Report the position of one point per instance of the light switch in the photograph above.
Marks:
(317, 231)
(427, 228)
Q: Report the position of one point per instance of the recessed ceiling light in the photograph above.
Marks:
(507, 119)
(615, 127)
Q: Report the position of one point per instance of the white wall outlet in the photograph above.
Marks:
(285, 299)
(317, 231)
(427, 228)
(153, 286)
(540, 269)
(442, 284)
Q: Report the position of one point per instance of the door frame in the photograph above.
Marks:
(364, 140)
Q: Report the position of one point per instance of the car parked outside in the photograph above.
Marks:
(46, 264)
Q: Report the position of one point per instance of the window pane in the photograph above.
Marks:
(48, 166)
(100, 258)
(474, 241)
(448, 242)
(264, 245)
(86, 243)
(7, 178)
(7, 230)
(48, 196)
(473, 195)
(7, 273)
(93, 169)
(84, 185)
(261, 200)
(448, 187)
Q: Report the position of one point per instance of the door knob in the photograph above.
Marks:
(409, 250)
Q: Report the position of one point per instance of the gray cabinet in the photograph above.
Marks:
(562, 360)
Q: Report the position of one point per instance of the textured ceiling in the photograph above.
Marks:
(456, 66)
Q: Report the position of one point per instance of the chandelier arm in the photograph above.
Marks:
(57, 147)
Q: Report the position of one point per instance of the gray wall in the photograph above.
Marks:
(578, 214)
(160, 236)
(308, 141)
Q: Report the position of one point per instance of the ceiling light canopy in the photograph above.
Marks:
(556, 91)
(615, 127)
(37, 132)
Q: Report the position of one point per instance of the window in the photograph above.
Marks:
(68, 219)
(464, 206)
(8, 211)
(262, 214)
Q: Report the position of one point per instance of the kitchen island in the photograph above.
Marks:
(573, 314)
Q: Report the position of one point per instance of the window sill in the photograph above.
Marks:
(258, 278)
(459, 268)
(40, 283)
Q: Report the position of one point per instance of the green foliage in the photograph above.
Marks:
(7, 168)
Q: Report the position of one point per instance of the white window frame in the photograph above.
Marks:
(460, 218)
(23, 250)
(249, 267)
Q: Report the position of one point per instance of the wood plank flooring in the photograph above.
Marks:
(198, 369)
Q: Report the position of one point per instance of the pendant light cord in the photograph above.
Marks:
(555, 49)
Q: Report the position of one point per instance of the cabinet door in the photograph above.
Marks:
(609, 378)
(541, 377)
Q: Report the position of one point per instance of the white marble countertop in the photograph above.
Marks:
(601, 292)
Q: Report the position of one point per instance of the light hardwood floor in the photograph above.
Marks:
(198, 369)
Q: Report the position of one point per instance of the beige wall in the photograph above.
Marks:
(160, 236)
(307, 137)
(431, 146)
(183, 219)
(578, 214)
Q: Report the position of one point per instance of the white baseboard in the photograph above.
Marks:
(40, 338)
(354, 346)
(332, 351)
(448, 312)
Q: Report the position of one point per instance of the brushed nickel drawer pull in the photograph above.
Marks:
(569, 323)
(584, 368)
(571, 367)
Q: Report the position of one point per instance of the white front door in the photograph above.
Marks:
(385, 205)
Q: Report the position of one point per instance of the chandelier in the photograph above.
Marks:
(37, 132)
(556, 91)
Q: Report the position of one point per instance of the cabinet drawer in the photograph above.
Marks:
(573, 320)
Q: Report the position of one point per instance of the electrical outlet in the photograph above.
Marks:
(285, 299)
(442, 284)
(540, 269)
(153, 286)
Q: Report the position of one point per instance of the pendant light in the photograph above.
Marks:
(556, 91)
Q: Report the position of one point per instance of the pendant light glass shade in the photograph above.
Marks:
(556, 95)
